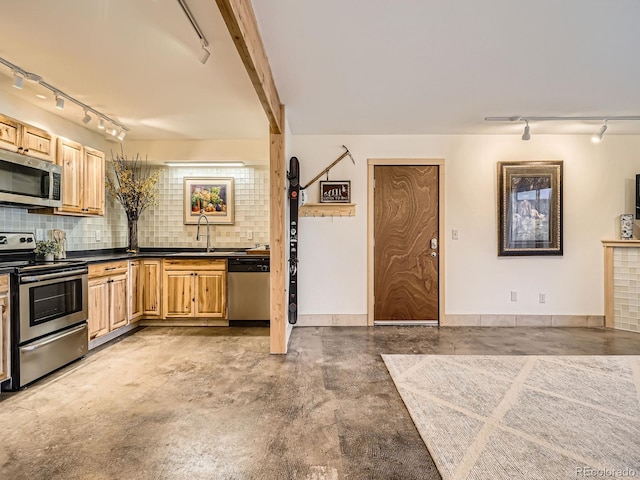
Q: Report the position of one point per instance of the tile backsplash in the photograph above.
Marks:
(162, 225)
(626, 289)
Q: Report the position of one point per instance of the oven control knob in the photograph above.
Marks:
(3, 240)
(29, 240)
(23, 239)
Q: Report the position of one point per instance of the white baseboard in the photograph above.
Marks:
(332, 320)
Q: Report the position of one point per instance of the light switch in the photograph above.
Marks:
(249, 234)
(454, 234)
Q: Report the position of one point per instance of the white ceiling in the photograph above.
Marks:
(136, 61)
(340, 66)
(441, 66)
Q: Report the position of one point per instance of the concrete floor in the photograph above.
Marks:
(210, 403)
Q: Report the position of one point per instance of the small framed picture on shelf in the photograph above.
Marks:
(338, 191)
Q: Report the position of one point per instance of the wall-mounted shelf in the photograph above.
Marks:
(327, 210)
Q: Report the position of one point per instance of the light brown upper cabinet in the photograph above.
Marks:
(24, 138)
(83, 187)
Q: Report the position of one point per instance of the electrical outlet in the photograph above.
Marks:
(98, 239)
(542, 297)
(454, 234)
(514, 296)
(249, 234)
(39, 234)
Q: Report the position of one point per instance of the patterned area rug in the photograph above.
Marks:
(524, 417)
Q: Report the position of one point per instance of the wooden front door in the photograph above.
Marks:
(406, 241)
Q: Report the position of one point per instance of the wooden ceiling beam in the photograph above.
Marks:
(241, 23)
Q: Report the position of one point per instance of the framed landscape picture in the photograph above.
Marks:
(211, 196)
(530, 208)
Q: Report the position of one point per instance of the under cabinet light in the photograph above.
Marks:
(204, 164)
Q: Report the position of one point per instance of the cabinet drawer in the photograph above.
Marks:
(110, 268)
(195, 264)
(4, 283)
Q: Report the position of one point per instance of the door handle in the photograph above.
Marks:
(434, 243)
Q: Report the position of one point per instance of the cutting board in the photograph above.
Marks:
(255, 251)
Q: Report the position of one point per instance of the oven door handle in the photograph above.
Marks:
(30, 348)
(48, 276)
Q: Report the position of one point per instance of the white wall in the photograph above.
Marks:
(598, 186)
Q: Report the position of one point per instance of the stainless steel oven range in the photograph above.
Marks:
(49, 310)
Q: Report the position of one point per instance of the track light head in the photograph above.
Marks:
(121, 135)
(526, 135)
(204, 55)
(17, 80)
(59, 102)
(597, 138)
(87, 118)
(101, 124)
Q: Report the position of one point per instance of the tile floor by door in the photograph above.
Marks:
(210, 403)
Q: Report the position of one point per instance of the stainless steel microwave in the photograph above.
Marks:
(29, 182)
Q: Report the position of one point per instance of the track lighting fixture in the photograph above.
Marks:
(597, 138)
(526, 135)
(121, 135)
(17, 80)
(204, 54)
(20, 75)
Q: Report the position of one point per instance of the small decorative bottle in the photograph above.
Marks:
(626, 226)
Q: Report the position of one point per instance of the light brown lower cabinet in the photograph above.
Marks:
(194, 288)
(5, 353)
(144, 289)
(108, 297)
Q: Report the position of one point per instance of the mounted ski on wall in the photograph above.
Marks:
(293, 175)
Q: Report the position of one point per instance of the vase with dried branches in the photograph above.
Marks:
(135, 187)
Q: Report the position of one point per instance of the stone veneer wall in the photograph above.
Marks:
(161, 226)
(626, 289)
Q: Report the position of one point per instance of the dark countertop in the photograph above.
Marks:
(101, 256)
(6, 270)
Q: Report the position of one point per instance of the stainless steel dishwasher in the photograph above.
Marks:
(248, 287)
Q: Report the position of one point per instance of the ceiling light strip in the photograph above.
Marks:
(204, 164)
(59, 94)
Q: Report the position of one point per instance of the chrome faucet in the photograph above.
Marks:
(202, 215)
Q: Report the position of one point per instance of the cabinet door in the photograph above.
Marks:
(150, 276)
(118, 297)
(211, 294)
(94, 187)
(135, 291)
(37, 143)
(70, 159)
(10, 131)
(98, 307)
(177, 300)
(4, 338)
